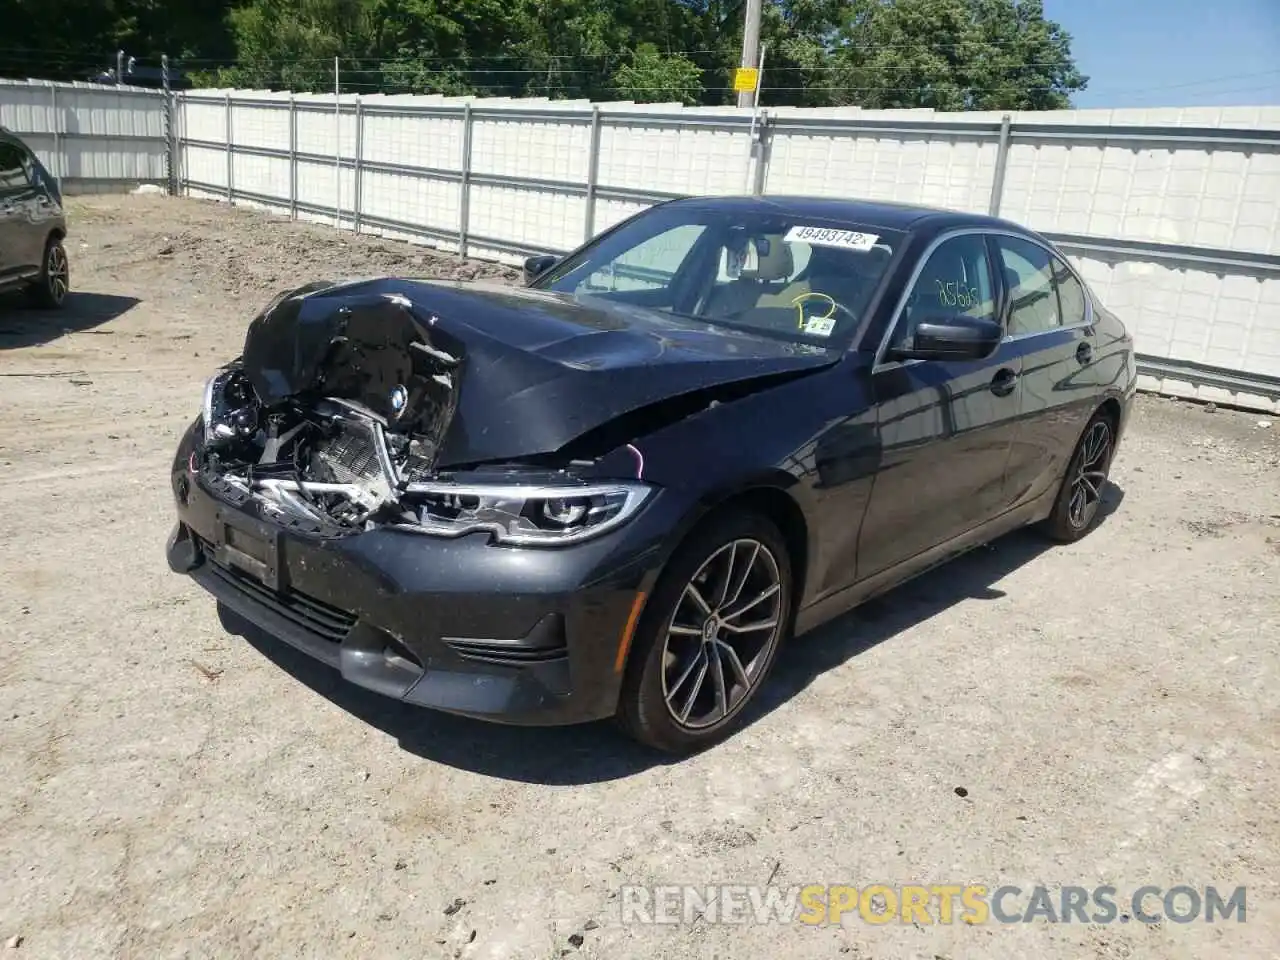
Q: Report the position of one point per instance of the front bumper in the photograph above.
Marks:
(522, 636)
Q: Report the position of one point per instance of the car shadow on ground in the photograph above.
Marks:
(24, 326)
(968, 577)
(598, 752)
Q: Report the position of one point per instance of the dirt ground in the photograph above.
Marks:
(1109, 711)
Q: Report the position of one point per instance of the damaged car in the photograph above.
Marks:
(618, 490)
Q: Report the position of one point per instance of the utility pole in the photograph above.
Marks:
(750, 47)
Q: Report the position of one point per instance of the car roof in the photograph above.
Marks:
(879, 213)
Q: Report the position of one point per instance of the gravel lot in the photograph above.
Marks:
(1110, 710)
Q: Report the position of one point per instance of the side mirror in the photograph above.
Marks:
(535, 267)
(954, 337)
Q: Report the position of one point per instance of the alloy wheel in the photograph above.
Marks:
(1091, 475)
(58, 273)
(722, 633)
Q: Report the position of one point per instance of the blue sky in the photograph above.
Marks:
(1161, 53)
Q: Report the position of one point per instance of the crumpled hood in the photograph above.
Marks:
(488, 372)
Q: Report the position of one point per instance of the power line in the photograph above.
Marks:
(1254, 88)
(1196, 83)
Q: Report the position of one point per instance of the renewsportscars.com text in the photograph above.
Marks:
(818, 904)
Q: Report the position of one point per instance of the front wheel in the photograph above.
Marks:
(1076, 508)
(51, 289)
(709, 635)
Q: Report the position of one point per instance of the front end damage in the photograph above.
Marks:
(360, 474)
(324, 444)
(333, 421)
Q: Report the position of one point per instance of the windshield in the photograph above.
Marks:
(767, 272)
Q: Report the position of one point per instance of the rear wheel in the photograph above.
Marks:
(51, 289)
(709, 635)
(1076, 508)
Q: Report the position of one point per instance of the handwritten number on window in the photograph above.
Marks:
(953, 294)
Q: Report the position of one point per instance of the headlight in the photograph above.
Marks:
(230, 406)
(525, 515)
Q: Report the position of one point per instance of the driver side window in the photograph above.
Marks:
(955, 280)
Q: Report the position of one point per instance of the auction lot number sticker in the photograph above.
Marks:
(829, 237)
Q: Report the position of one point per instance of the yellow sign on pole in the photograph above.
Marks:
(745, 79)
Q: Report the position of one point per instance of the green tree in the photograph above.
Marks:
(574, 48)
(947, 54)
(651, 77)
(798, 37)
(292, 43)
(74, 39)
(952, 55)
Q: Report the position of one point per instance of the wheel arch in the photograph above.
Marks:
(769, 497)
(782, 510)
(1111, 409)
(766, 497)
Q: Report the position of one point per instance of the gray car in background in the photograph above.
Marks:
(32, 226)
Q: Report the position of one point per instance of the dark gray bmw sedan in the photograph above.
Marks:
(618, 490)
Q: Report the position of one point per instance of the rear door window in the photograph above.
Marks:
(1072, 299)
(1028, 276)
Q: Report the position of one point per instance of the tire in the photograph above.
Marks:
(694, 654)
(51, 289)
(1076, 508)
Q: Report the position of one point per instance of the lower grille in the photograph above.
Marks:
(315, 616)
(545, 643)
(505, 653)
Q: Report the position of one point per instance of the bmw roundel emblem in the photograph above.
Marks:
(399, 398)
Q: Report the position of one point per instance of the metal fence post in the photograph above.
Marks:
(337, 145)
(763, 147)
(293, 157)
(358, 188)
(464, 199)
(593, 176)
(168, 125)
(231, 193)
(182, 160)
(1002, 161)
(55, 121)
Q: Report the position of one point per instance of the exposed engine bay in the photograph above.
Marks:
(333, 464)
(271, 430)
(328, 461)
(356, 405)
(333, 467)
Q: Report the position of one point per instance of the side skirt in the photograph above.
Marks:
(833, 606)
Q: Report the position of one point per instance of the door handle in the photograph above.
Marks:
(1003, 382)
(1084, 353)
